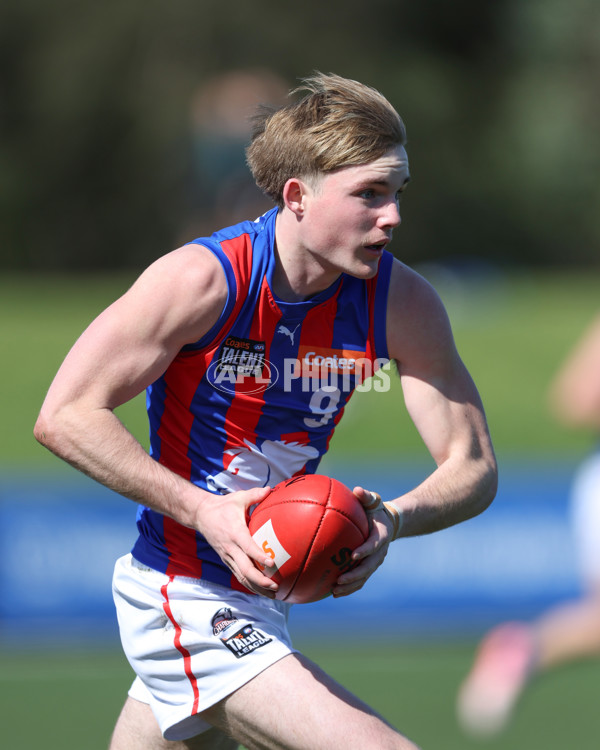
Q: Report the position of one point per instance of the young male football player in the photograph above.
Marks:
(249, 344)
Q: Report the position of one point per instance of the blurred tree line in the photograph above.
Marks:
(122, 123)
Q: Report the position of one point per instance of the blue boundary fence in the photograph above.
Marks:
(59, 539)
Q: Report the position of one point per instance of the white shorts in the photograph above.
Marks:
(585, 511)
(192, 643)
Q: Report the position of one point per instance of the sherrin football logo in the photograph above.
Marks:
(267, 540)
(343, 560)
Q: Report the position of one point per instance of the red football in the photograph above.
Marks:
(309, 525)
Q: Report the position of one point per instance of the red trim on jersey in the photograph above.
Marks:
(182, 547)
(296, 437)
(177, 420)
(370, 352)
(371, 293)
(237, 586)
(239, 252)
(318, 324)
(187, 658)
(245, 409)
(181, 382)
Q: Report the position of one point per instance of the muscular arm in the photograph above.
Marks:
(174, 302)
(445, 407)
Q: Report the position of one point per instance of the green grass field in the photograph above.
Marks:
(60, 701)
(512, 331)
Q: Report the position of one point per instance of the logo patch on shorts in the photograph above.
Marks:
(222, 619)
(245, 640)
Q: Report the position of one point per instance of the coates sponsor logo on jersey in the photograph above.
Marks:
(241, 367)
(222, 619)
(245, 640)
(314, 361)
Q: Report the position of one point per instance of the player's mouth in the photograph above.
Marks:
(377, 247)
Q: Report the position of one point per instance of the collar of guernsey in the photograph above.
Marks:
(236, 409)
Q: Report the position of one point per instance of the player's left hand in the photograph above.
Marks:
(369, 556)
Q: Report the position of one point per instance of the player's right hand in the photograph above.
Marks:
(221, 519)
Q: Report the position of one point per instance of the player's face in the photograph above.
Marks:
(350, 214)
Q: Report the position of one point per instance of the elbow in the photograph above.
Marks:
(46, 430)
(488, 485)
(42, 431)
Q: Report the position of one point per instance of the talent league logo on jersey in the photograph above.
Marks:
(241, 366)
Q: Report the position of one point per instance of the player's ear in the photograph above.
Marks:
(294, 195)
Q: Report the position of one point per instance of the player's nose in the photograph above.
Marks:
(390, 214)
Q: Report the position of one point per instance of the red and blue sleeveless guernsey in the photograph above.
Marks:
(257, 399)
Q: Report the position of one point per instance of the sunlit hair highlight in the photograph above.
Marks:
(337, 123)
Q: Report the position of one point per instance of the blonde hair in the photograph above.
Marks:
(338, 123)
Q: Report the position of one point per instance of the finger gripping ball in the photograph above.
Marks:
(309, 525)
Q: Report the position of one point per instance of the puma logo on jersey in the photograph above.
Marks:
(286, 332)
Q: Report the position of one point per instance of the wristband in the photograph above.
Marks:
(392, 511)
(395, 514)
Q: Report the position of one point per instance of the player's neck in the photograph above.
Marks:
(298, 274)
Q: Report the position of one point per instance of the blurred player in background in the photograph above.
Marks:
(513, 653)
(249, 344)
(221, 190)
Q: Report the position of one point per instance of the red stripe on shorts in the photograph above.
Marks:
(187, 658)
